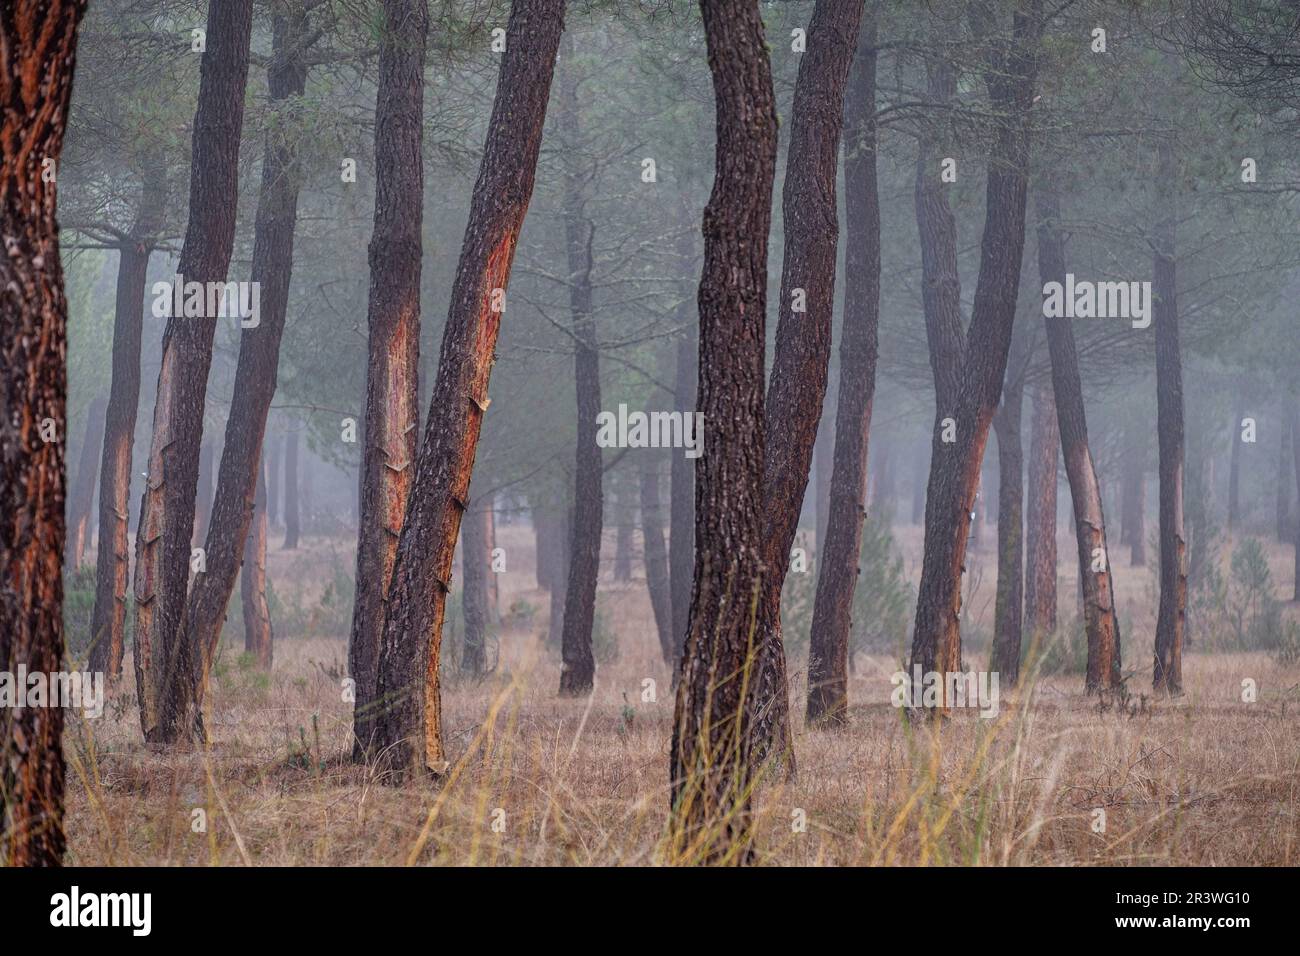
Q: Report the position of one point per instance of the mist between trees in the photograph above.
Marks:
(732, 357)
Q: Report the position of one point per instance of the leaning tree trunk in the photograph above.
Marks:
(81, 502)
(241, 480)
(710, 766)
(292, 528)
(1172, 614)
(803, 338)
(656, 554)
(392, 369)
(840, 549)
(409, 730)
(39, 41)
(578, 664)
(164, 665)
(970, 393)
(112, 566)
(474, 598)
(1040, 525)
(252, 583)
(1100, 619)
(1008, 613)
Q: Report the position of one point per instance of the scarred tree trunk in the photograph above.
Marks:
(241, 480)
(578, 665)
(474, 600)
(39, 49)
(409, 730)
(82, 499)
(252, 583)
(803, 337)
(112, 567)
(1171, 616)
(164, 664)
(1040, 526)
(292, 528)
(969, 385)
(656, 553)
(392, 369)
(1100, 620)
(1009, 605)
(710, 766)
(828, 652)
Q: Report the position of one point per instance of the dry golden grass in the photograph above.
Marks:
(1204, 779)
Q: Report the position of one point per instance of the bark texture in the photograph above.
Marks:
(408, 731)
(1040, 524)
(841, 548)
(252, 583)
(39, 41)
(710, 769)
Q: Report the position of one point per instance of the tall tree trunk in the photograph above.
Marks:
(709, 765)
(1008, 612)
(164, 664)
(1040, 526)
(656, 553)
(803, 337)
(81, 501)
(474, 600)
(823, 464)
(252, 582)
(39, 43)
(242, 480)
(409, 730)
(1133, 493)
(969, 387)
(838, 568)
(578, 664)
(393, 350)
(1284, 455)
(112, 566)
(291, 521)
(1100, 620)
(1172, 613)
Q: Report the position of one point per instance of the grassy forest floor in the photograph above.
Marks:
(1055, 779)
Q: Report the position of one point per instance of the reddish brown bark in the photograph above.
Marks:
(39, 48)
(112, 567)
(241, 480)
(408, 731)
(82, 498)
(828, 654)
(163, 663)
(392, 370)
(1040, 524)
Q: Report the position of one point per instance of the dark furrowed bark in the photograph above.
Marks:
(839, 551)
(392, 369)
(241, 480)
(112, 567)
(408, 728)
(39, 50)
(803, 339)
(709, 765)
(164, 665)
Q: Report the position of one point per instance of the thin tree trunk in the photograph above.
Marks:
(838, 568)
(252, 583)
(709, 765)
(409, 730)
(656, 554)
(81, 501)
(474, 600)
(39, 44)
(112, 566)
(1097, 595)
(242, 480)
(1172, 613)
(803, 338)
(291, 522)
(578, 664)
(1008, 610)
(164, 665)
(969, 391)
(1040, 526)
